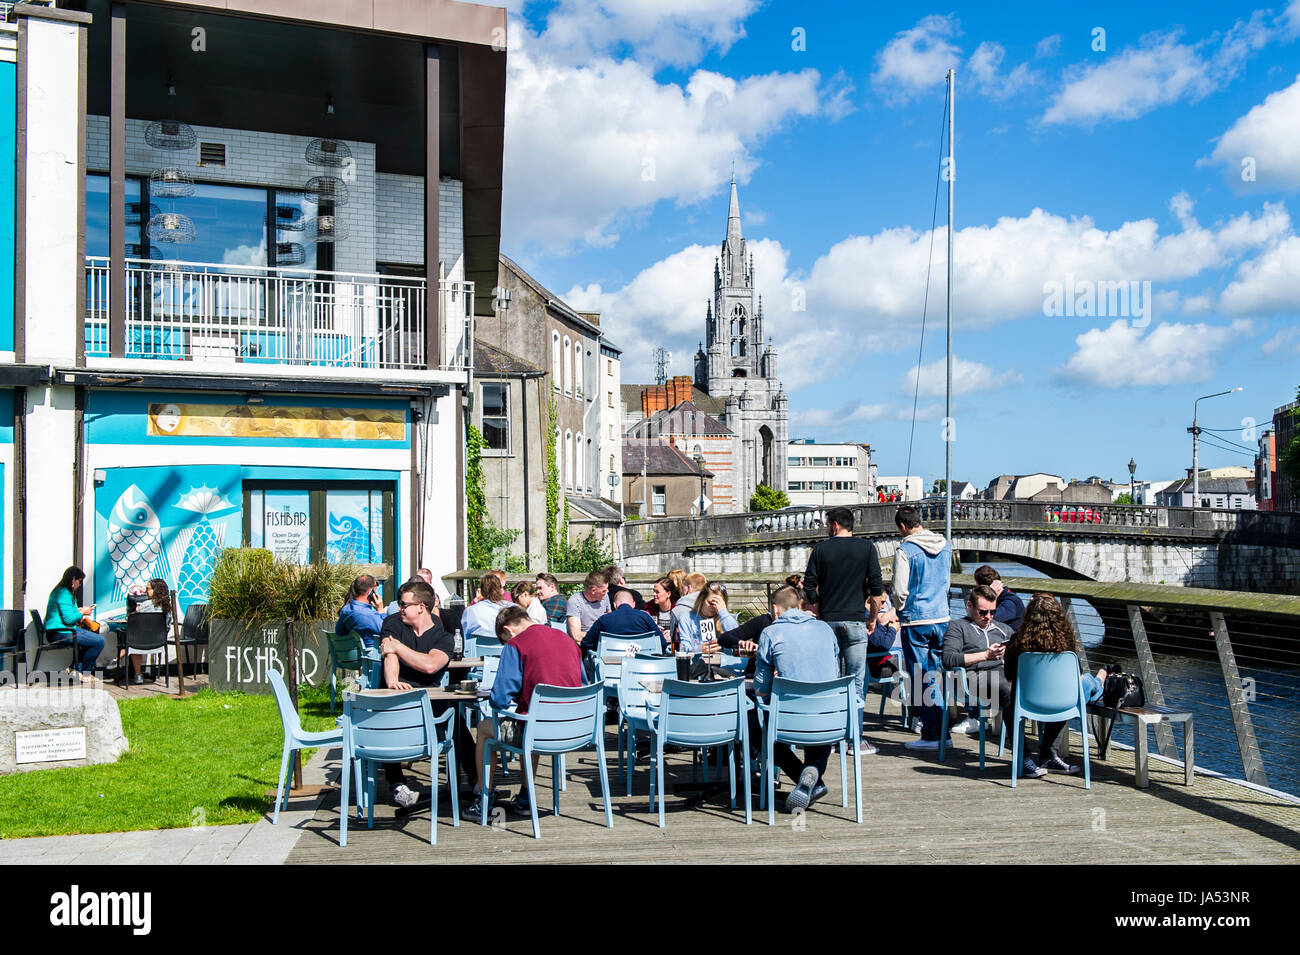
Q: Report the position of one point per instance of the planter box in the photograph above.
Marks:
(240, 654)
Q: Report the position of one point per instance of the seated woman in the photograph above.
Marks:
(362, 611)
(525, 595)
(661, 603)
(64, 620)
(157, 599)
(698, 629)
(480, 618)
(1045, 629)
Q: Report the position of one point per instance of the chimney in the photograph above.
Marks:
(1189, 474)
(652, 400)
(679, 390)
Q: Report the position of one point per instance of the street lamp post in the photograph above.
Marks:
(1132, 469)
(1196, 445)
(699, 463)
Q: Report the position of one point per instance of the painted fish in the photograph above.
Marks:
(349, 539)
(134, 541)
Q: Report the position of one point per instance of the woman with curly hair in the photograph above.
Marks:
(1045, 629)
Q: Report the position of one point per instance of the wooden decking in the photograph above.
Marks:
(916, 810)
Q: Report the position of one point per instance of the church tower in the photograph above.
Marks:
(733, 365)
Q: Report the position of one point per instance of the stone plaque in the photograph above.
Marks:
(48, 746)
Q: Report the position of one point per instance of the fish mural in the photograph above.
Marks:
(349, 539)
(134, 542)
(196, 548)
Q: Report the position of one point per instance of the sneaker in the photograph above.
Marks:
(474, 808)
(1032, 770)
(967, 726)
(1054, 764)
(404, 797)
(922, 744)
(520, 805)
(802, 794)
(866, 748)
(915, 726)
(139, 679)
(818, 792)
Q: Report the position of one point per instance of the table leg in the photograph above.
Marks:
(1189, 752)
(1140, 753)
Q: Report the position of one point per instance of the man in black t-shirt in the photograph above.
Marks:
(416, 650)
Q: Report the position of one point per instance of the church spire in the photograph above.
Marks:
(733, 212)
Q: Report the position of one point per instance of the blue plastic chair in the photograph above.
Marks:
(349, 652)
(957, 681)
(701, 716)
(899, 679)
(633, 710)
(812, 714)
(1048, 689)
(617, 646)
(489, 648)
(392, 729)
(560, 719)
(295, 737)
(470, 649)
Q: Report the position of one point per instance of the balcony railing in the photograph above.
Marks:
(195, 311)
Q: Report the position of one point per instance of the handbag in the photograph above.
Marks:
(1120, 690)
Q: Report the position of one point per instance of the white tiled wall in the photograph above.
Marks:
(384, 215)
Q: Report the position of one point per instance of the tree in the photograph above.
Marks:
(1288, 458)
(940, 486)
(768, 499)
(1125, 498)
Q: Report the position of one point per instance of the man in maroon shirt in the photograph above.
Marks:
(533, 655)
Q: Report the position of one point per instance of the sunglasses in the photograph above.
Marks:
(985, 613)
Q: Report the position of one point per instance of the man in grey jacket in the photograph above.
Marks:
(978, 643)
(922, 576)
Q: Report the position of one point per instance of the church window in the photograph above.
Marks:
(738, 373)
(555, 360)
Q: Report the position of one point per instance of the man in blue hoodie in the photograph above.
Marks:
(922, 578)
(797, 646)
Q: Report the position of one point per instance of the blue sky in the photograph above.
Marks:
(1164, 150)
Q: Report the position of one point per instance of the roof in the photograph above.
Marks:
(490, 360)
(1209, 486)
(686, 418)
(595, 508)
(553, 302)
(631, 395)
(659, 457)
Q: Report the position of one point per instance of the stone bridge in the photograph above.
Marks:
(1254, 551)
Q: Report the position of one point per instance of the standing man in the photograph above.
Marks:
(587, 605)
(553, 602)
(1011, 609)
(842, 578)
(922, 577)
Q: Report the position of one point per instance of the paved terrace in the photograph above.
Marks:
(918, 810)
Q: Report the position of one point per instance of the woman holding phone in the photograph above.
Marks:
(65, 620)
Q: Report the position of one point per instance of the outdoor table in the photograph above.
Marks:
(468, 663)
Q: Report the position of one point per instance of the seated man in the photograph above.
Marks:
(1011, 609)
(554, 603)
(416, 651)
(533, 654)
(588, 604)
(624, 621)
(978, 643)
(796, 646)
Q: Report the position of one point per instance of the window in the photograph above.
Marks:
(559, 459)
(495, 401)
(821, 462)
(579, 360)
(611, 437)
(659, 500)
(580, 458)
(795, 462)
(609, 367)
(1218, 502)
(568, 366)
(568, 459)
(796, 485)
(555, 361)
(609, 399)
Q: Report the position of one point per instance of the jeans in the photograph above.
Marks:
(88, 647)
(922, 651)
(852, 637)
(1091, 687)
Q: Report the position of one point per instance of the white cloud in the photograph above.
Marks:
(244, 255)
(967, 376)
(588, 146)
(674, 32)
(1051, 45)
(1266, 284)
(869, 290)
(984, 64)
(826, 417)
(1160, 70)
(1121, 356)
(1286, 341)
(1197, 304)
(1269, 138)
(917, 59)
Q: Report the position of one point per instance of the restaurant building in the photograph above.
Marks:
(239, 315)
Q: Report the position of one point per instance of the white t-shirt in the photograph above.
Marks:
(536, 612)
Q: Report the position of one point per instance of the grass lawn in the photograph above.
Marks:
(208, 759)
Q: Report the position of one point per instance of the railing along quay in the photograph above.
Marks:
(1234, 658)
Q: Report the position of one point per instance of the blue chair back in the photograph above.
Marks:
(348, 652)
(489, 676)
(564, 718)
(471, 647)
(641, 667)
(702, 714)
(812, 714)
(1048, 686)
(288, 715)
(617, 646)
(490, 648)
(389, 729)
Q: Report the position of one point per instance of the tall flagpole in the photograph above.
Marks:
(948, 434)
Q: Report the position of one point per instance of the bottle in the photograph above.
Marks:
(458, 646)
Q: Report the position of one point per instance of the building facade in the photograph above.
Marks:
(242, 320)
(1286, 495)
(829, 475)
(659, 480)
(1227, 493)
(736, 366)
(1266, 472)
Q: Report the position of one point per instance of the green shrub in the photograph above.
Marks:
(249, 583)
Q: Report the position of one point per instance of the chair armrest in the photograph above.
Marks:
(445, 717)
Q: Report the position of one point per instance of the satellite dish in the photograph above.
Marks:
(670, 356)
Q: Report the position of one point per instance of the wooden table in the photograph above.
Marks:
(468, 663)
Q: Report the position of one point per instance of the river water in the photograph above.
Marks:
(1197, 683)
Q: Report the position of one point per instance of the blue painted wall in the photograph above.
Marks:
(8, 175)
